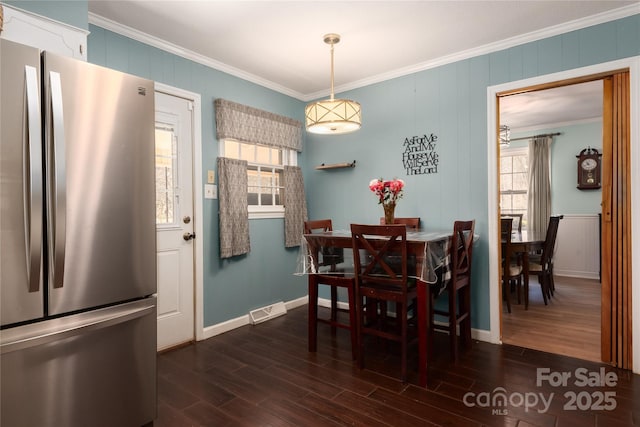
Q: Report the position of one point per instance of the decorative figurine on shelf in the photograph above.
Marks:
(388, 193)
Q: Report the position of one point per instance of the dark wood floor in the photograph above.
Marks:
(263, 376)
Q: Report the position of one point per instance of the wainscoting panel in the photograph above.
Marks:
(578, 247)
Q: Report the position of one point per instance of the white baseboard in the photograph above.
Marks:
(220, 328)
(577, 274)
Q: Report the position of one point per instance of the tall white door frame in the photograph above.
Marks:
(633, 64)
(198, 196)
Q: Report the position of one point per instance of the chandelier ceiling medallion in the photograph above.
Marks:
(332, 116)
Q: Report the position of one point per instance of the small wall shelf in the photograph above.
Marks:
(337, 165)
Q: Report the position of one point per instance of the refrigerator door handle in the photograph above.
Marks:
(58, 177)
(33, 178)
(91, 323)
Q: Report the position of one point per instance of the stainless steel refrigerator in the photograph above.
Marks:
(77, 243)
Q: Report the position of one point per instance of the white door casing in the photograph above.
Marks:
(174, 220)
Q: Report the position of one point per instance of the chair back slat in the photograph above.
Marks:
(462, 248)
(517, 223)
(506, 228)
(550, 239)
(380, 254)
(318, 225)
(412, 223)
(331, 256)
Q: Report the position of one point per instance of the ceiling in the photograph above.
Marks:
(279, 44)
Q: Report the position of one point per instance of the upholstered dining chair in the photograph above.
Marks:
(511, 268)
(542, 264)
(458, 314)
(381, 272)
(412, 223)
(337, 279)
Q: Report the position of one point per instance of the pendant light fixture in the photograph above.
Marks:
(333, 116)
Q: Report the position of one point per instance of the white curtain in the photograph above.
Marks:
(539, 195)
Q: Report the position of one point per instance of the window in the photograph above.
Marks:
(514, 181)
(264, 175)
(166, 173)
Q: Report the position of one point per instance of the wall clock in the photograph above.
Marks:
(589, 169)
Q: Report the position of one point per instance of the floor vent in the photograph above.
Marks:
(266, 313)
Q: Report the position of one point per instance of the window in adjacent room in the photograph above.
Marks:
(514, 181)
(264, 175)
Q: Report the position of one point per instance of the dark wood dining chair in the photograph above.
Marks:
(331, 257)
(542, 264)
(517, 220)
(381, 271)
(512, 271)
(412, 223)
(458, 290)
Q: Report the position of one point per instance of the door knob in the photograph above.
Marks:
(189, 236)
(186, 219)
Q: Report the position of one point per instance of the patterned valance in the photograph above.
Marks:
(250, 124)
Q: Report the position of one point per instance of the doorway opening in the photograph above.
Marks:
(571, 115)
(620, 349)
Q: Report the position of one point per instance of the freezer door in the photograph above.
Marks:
(101, 185)
(21, 197)
(92, 369)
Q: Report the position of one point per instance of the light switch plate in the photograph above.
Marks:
(210, 191)
(211, 177)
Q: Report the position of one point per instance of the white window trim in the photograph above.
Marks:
(290, 158)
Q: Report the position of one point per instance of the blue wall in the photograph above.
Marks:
(448, 101)
(70, 12)
(565, 197)
(231, 287)
(451, 102)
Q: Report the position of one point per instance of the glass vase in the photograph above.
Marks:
(389, 210)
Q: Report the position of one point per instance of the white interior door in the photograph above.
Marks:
(174, 220)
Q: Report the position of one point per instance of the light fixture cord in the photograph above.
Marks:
(332, 71)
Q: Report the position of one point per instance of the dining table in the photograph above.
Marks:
(524, 243)
(331, 252)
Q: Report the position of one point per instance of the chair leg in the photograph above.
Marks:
(542, 278)
(403, 325)
(313, 313)
(359, 325)
(453, 323)
(334, 308)
(505, 294)
(353, 321)
(465, 326)
(432, 330)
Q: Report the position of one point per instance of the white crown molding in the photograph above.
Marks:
(528, 129)
(145, 38)
(555, 30)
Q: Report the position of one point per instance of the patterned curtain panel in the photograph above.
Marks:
(249, 124)
(539, 194)
(234, 213)
(295, 206)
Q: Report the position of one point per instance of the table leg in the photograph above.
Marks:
(313, 313)
(423, 307)
(525, 267)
